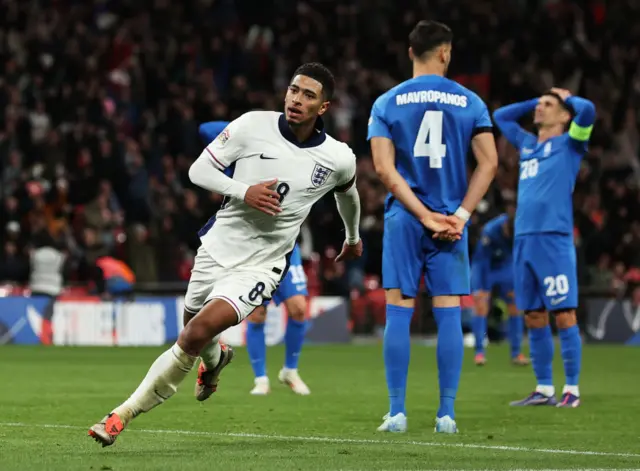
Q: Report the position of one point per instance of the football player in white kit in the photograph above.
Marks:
(284, 163)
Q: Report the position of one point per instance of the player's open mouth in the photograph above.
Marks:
(294, 112)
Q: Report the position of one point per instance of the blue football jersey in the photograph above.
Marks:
(431, 121)
(548, 169)
(495, 247)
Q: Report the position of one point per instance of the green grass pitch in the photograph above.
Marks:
(50, 396)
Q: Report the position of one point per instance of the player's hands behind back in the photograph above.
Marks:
(263, 198)
(443, 227)
(350, 252)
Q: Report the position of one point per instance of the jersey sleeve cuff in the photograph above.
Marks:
(346, 186)
(580, 133)
(482, 129)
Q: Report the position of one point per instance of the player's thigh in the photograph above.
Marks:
(525, 283)
(259, 314)
(293, 284)
(503, 284)
(245, 289)
(446, 267)
(556, 268)
(200, 282)
(402, 252)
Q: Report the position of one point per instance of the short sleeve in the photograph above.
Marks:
(482, 121)
(347, 176)
(230, 143)
(378, 126)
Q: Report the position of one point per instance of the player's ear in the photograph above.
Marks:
(323, 108)
(412, 56)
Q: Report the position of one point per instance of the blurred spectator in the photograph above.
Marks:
(101, 104)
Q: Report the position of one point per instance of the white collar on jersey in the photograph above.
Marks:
(314, 140)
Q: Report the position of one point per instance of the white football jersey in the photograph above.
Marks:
(257, 147)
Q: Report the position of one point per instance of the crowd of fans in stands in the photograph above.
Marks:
(101, 102)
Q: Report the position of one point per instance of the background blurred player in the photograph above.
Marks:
(420, 134)
(544, 252)
(293, 293)
(283, 163)
(492, 269)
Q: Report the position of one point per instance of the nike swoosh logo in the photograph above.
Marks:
(263, 157)
(556, 301)
(241, 299)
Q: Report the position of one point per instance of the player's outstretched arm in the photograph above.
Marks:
(384, 156)
(507, 117)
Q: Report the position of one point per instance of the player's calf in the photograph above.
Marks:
(515, 333)
(571, 350)
(479, 324)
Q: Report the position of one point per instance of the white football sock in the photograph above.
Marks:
(571, 389)
(546, 390)
(211, 353)
(161, 382)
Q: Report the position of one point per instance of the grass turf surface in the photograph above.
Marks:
(50, 396)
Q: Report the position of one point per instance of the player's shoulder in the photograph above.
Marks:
(473, 98)
(258, 117)
(337, 150)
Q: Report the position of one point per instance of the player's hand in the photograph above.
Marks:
(350, 252)
(263, 198)
(442, 226)
(454, 234)
(561, 92)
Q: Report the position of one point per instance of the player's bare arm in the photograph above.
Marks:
(205, 174)
(383, 153)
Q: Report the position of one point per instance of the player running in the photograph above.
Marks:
(420, 134)
(282, 164)
(293, 293)
(492, 268)
(544, 253)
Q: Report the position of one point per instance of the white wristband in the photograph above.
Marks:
(462, 213)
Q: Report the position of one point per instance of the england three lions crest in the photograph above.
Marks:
(320, 175)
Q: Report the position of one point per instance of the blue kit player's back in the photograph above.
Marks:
(544, 253)
(421, 132)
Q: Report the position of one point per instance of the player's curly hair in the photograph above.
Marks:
(322, 74)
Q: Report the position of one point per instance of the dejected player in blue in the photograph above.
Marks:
(492, 271)
(293, 293)
(421, 132)
(544, 252)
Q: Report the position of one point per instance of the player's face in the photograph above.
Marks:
(304, 100)
(549, 112)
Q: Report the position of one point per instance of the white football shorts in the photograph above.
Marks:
(245, 288)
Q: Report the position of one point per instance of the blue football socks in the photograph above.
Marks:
(479, 326)
(256, 348)
(450, 352)
(541, 341)
(293, 340)
(514, 333)
(397, 351)
(571, 349)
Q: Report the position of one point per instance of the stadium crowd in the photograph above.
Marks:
(101, 103)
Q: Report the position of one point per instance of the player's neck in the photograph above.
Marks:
(547, 132)
(427, 68)
(303, 131)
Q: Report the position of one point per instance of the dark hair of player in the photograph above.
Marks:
(563, 104)
(319, 72)
(427, 35)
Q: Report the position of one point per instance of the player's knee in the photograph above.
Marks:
(297, 308)
(213, 319)
(446, 301)
(536, 319)
(565, 319)
(258, 316)
(481, 303)
(396, 298)
(186, 317)
(512, 309)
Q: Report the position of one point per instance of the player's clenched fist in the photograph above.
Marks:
(263, 198)
(350, 251)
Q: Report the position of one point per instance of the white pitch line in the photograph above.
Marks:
(354, 441)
